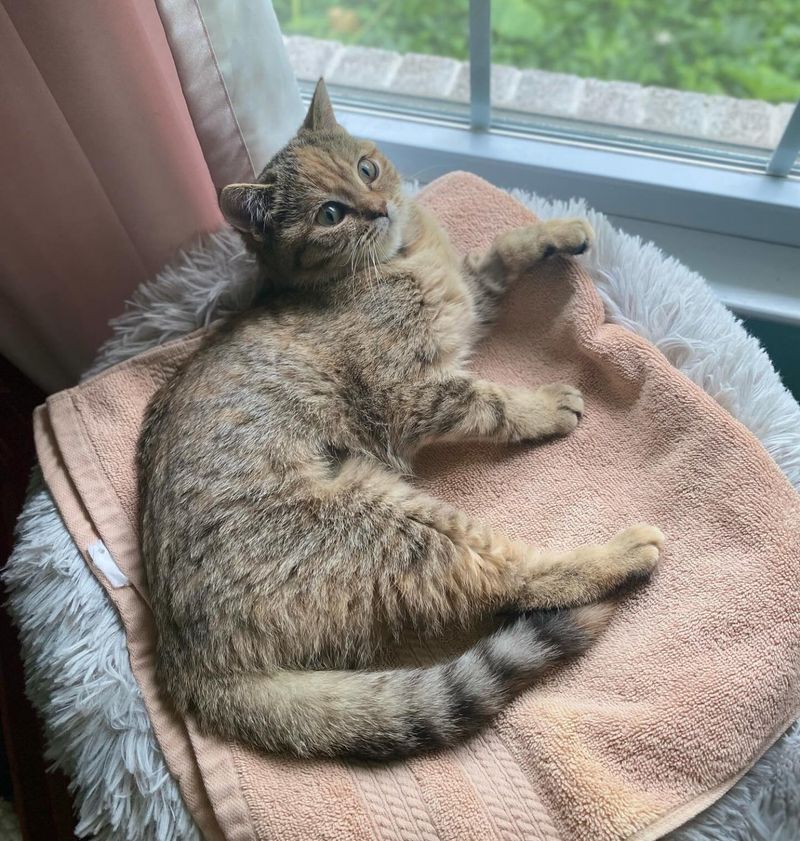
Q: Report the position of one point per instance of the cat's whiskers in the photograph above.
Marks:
(374, 252)
(357, 254)
(371, 281)
(372, 248)
(363, 251)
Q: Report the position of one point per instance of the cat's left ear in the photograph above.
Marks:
(247, 207)
(320, 116)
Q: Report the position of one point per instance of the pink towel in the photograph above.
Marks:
(697, 675)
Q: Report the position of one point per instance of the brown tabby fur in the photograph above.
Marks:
(282, 545)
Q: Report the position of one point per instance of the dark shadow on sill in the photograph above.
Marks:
(782, 343)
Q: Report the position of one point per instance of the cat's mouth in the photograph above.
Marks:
(381, 226)
(385, 233)
(386, 236)
(391, 223)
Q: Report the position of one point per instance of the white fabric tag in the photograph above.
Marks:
(106, 564)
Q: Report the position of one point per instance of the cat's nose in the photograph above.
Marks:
(376, 211)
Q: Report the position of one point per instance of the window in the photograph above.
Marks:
(714, 79)
(402, 53)
(694, 72)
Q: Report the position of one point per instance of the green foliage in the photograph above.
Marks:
(743, 48)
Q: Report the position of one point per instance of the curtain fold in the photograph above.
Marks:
(103, 177)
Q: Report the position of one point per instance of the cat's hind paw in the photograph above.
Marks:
(634, 553)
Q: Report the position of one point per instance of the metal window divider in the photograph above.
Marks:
(788, 147)
(480, 64)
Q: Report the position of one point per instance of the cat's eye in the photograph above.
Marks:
(368, 170)
(330, 214)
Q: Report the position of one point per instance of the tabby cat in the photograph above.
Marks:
(282, 544)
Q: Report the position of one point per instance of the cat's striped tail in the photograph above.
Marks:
(379, 715)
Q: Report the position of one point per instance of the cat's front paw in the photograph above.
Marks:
(550, 410)
(564, 404)
(521, 248)
(566, 236)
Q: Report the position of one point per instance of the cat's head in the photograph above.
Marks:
(326, 204)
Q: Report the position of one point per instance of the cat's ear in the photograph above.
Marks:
(320, 116)
(247, 206)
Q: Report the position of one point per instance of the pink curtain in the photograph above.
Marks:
(102, 177)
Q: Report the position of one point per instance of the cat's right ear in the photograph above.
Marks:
(320, 116)
(247, 207)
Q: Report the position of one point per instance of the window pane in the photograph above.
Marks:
(406, 50)
(697, 75)
(721, 71)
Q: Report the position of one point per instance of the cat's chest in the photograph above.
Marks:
(421, 319)
(448, 312)
(441, 316)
